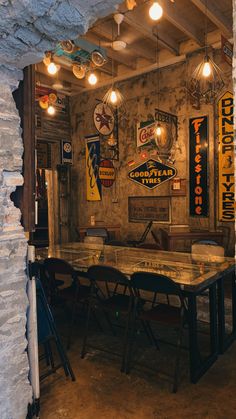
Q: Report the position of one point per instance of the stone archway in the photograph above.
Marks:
(27, 29)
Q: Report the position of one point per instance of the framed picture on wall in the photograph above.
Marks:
(149, 208)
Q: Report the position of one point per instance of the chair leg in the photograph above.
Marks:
(83, 350)
(130, 339)
(109, 322)
(70, 326)
(177, 360)
(154, 340)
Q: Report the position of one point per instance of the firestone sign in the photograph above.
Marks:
(152, 173)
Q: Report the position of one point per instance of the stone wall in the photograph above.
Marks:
(27, 29)
(140, 101)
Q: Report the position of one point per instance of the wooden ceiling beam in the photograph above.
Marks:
(171, 14)
(165, 40)
(214, 15)
(151, 67)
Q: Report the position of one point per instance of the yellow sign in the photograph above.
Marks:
(92, 156)
(226, 158)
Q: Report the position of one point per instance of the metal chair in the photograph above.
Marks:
(146, 286)
(111, 294)
(47, 333)
(98, 232)
(73, 295)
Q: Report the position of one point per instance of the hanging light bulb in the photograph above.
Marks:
(158, 130)
(155, 11)
(207, 70)
(51, 110)
(52, 68)
(113, 97)
(92, 79)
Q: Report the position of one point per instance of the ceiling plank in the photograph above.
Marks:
(165, 63)
(171, 14)
(214, 15)
(135, 21)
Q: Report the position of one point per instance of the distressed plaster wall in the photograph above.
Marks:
(140, 101)
(27, 29)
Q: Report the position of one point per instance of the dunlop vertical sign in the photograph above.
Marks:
(226, 158)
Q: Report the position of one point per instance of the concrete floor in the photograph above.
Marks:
(102, 391)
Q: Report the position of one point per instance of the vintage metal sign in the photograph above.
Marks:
(198, 130)
(106, 173)
(146, 133)
(152, 173)
(103, 118)
(92, 157)
(226, 50)
(66, 151)
(226, 158)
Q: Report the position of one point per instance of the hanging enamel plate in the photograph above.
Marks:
(103, 118)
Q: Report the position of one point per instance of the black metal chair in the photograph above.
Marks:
(147, 286)
(72, 296)
(111, 294)
(98, 232)
(47, 333)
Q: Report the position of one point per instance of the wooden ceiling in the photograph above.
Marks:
(180, 31)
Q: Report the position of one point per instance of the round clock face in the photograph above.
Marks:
(103, 119)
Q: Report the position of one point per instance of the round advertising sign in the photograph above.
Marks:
(106, 173)
(103, 119)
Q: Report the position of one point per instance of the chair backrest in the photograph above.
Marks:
(203, 251)
(94, 239)
(105, 273)
(98, 232)
(155, 283)
(58, 266)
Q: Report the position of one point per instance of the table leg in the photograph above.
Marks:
(226, 340)
(198, 364)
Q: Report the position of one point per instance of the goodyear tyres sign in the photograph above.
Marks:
(152, 173)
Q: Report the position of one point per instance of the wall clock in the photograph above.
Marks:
(103, 118)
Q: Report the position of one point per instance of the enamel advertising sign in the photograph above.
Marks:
(146, 133)
(92, 156)
(226, 158)
(198, 171)
(106, 173)
(152, 173)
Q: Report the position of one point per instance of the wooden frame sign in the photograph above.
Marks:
(198, 166)
(149, 208)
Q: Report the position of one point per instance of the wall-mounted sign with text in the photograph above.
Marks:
(106, 173)
(152, 173)
(226, 158)
(145, 133)
(66, 151)
(92, 157)
(198, 148)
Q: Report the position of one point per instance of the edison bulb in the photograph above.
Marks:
(155, 11)
(51, 110)
(206, 71)
(92, 79)
(113, 96)
(158, 130)
(52, 68)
